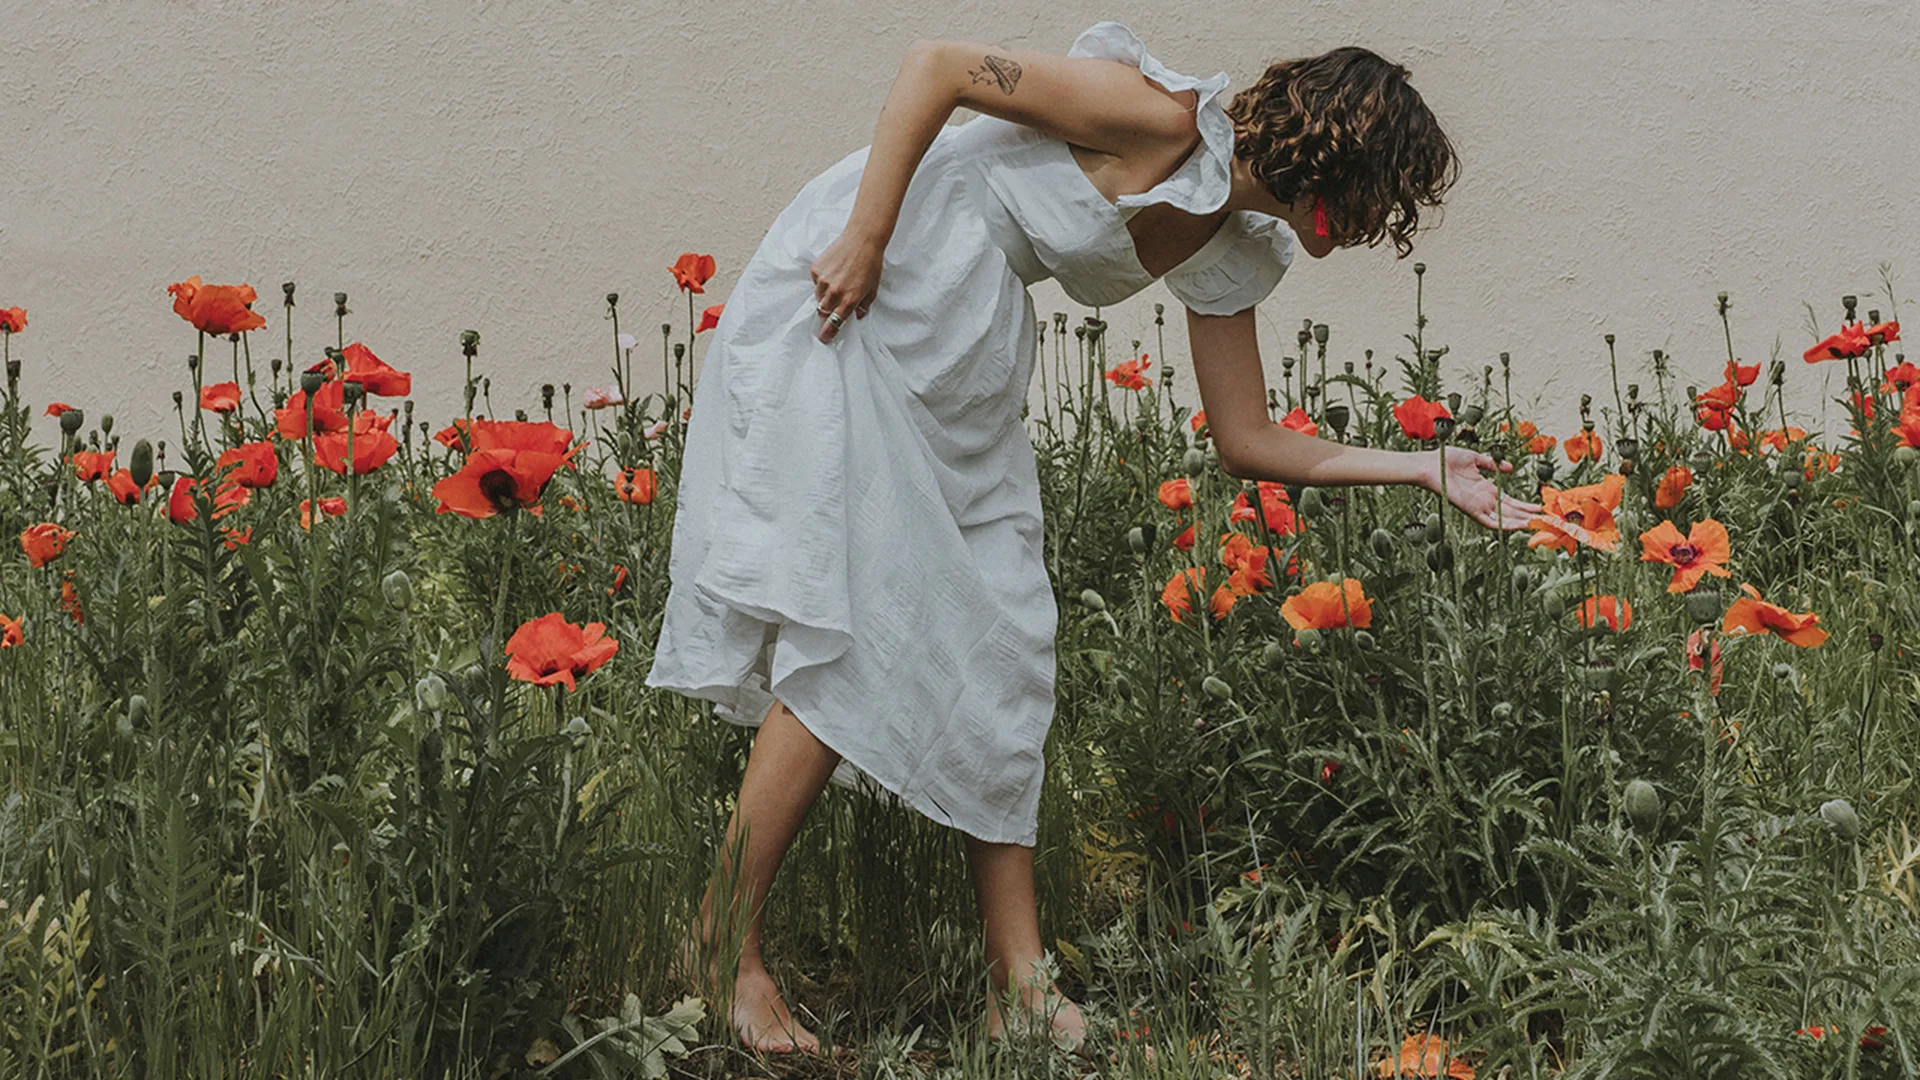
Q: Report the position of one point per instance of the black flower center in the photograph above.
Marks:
(499, 488)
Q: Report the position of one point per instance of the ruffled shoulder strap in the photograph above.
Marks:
(1202, 183)
(1237, 268)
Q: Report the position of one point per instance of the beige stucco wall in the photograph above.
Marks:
(502, 166)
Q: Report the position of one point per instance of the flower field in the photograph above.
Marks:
(327, 751)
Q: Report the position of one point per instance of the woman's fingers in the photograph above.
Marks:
(838, 304)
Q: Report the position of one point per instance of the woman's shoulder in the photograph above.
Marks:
(1237, 268)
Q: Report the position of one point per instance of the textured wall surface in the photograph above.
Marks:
(502, 166)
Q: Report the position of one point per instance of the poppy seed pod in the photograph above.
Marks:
(1702, 459)
(1628, 446)
(141, 467)
(1195, 462)
(1311, 502)
(71, 421)
(1092, 600)
(1216, 686)
(1443, 427)
(1544, 470)
(1472, 414)
(1506, 361)
(312, 381)
(1414, 531)
(1272, 655)
(286, 287)
(469, 341)
(1703, 606)
(1419, 268)
(1791, 480)
(1642, 804)
(1838, 813)
(1320, 333)
(1440, 558)
(351, 392)
(1309, 638)
(177, 400)
(1783, 672)
(1337, 417)
(430, 693)
(397, 587)
(1381, 541)
(1849, 302)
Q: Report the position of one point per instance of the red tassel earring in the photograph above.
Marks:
(1320, 217)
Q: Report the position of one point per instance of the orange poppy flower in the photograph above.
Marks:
(1584, 445)
(371, 449)
(374, 375)
(1129, 374)
(1901, 378)
(1908, 429)
(180, 508)
(44, 542)
(1179, 591)
(1703, 550)
(1417, 414)
(1176, 494)
(508, 468)
(229, 497)
(329, 412)
(1714, 408)
(215, 309)
(619, 580)
(550, 650)
(59, 408)
(1752, 615)
(709, 318)
(1780, 438)
(332, 506)
(1851, 341)
(634, 485)
(91, 465)
(1885, 333)
(70, 600)
(1673, 487)
(13, 320)
(692, 271)
(1325, 606)
(1744, 374)
(10, 633)
(232, 538)
(1615, 612)
(1250, 575)
(1221, 601)
(1818, 462)
(251, 465)
(1425, 1056)
(121, 486)
(1185, 540)
(1299, 421)
(449, 436)
(1579, 515)
(221, 397)
(1197, 419)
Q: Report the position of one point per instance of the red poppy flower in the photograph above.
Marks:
(1714, 408)
(1274, 507)
(215, 309)
(123, 489)
(91, 465)
(59, 408)
(619, 580)
(1299, 421)
(1908, 429)
(692, 271)
(1704, 550)
(596, 398)
(1129, 374)
(1579, 515)
(372, 448)
(1185, 540)
(1751, 615)
(1851, 341)
(449, 436)
(709, 318)
(634, 485)
(332, 506)
(1615, 612)
(1197, 419)
(1743, 374)
(508, 468)
(252, 465)
(70, 600)
(1901, 378)
(44, 542)
(229, 497)
(180, 508)
(1673, 487)
(1426, 1056)
(1249, 575)
(1176, 494)
(329, 412)
(231, 538)
(1584, 445)
(1417, 414)
(1885, 333)
(1221, 601)
(550, 650)
(1325, 606)
(1179, 591)
(13, 319)
(373, 374)
(223, 397)
(1818, 462)
(10, 633)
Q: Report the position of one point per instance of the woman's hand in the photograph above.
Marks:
(1467, 487)
(846, 278)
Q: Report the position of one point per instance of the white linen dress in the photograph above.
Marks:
(858, 530)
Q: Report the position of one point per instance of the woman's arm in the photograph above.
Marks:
(1233, 391)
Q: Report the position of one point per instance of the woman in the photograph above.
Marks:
(856, 563)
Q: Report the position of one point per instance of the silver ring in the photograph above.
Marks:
(822, 312)
(835, 319)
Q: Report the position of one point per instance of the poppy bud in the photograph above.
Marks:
(141, 467)
(577, 732)
(177, 399)
(1723, 303)
(1433, 529)
(1913, 510)
(1905, 456)
(1783, 672)
(1137, 540)
(1839, 814)
(1216, 686)
(1320, 333)
(1195, 462)
(106, 425)
(1440, 558)
(1633, 391)
(397, 587)
(430, 693)
(546, 395)
(1364, 639)
(71, 420)
(1337, 417)
(312, 381)
(137, 709)
(1791, 480)
(1092, 600)
(1308, 637)
(1273, 655)
(1311, 502)
(1502, 710)
(1522, 579)
(1703, 606)
(1381, 541)
(1642, 804)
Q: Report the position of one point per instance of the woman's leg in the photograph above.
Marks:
(786, 771)
(1003, 887)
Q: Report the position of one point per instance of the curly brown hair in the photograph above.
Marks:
(1346, 126)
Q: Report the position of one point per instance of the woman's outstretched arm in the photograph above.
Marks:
(1233, 390)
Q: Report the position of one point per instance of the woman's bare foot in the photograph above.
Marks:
(760, 1017)
(1068, 1028)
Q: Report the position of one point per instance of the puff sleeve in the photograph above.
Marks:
(1237, 268)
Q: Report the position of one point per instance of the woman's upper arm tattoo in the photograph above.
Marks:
(998, 70)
